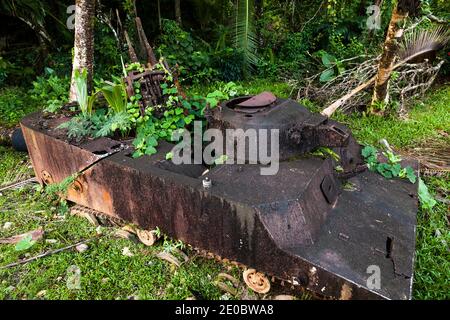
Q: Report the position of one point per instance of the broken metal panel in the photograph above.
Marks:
(373, 225)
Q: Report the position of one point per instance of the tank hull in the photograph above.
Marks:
(282, 225)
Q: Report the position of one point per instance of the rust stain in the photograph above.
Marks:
(346, 292)
(106, 197)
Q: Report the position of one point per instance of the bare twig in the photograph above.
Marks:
(410, 78)
(16, 185)
(436, 19)
(335, 105)
(45, 254)
(131, 52)
(315, 14)
(106, 19)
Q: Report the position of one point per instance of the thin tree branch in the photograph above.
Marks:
(45, 254)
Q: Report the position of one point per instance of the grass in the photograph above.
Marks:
(427, 120)
(14, 105)
(432, 273)
(107, 274)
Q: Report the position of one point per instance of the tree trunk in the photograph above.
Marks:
(131, 52)
(159, 15)
(390, 48)
(151, 59)
(178, 11)
(84, 42)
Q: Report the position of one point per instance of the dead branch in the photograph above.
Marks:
(335, 105)
(312, 18)
(348, 89)
(418, 80)
(131, 52)
(411, 77)
(106, 19)
(151, 59)
(45, 254)
(437, 20)
(16, 185)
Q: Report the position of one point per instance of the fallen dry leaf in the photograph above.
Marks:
(7, 225)
(82, 247)
(35, 236)
(129, 228)
(284, 297)
(41, 293)
(126, 252)
(120, 233)
(163, 255)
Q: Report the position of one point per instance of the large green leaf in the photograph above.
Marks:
(116, 97)
(80, 78)
(327, 75)
(426, 200)
(328, 60)
(24, 244)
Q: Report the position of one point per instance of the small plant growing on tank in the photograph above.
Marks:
(85, 101)
(81, 125)
(390, 169)
(118, 117)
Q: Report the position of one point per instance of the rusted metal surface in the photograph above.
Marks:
(300, 130)
(149, 83)
(299, 225)
(261, 100)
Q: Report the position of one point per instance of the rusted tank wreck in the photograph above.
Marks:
(309, 224)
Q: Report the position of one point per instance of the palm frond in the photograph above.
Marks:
(420, 42)
(244, 36)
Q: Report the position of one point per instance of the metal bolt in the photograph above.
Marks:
(207, 183)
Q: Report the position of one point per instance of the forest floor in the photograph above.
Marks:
(108, 273)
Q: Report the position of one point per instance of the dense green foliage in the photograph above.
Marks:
(14, 105)
(289, 36)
